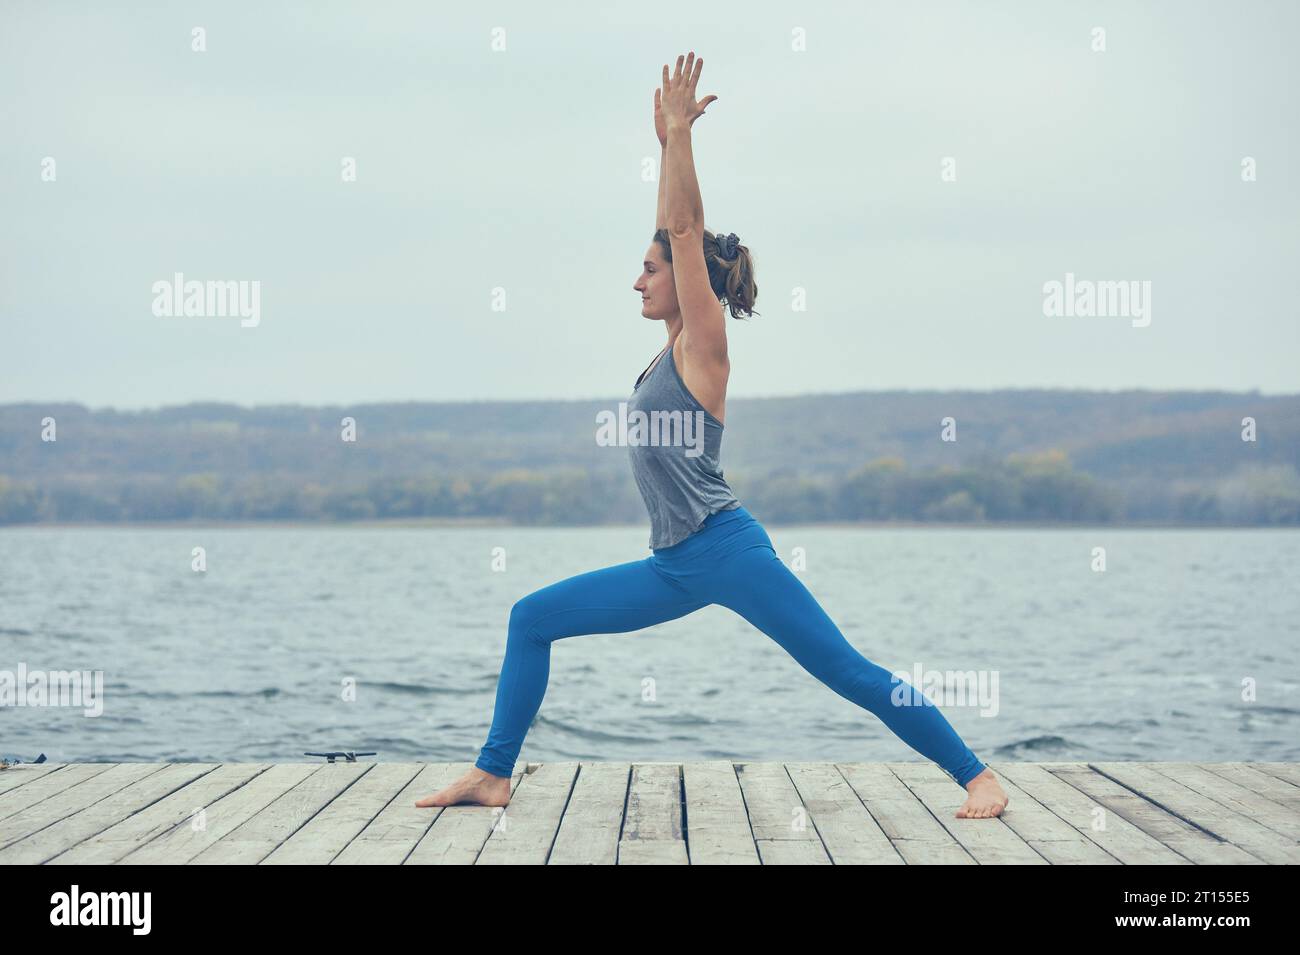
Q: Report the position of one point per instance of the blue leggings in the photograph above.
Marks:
(729, 561)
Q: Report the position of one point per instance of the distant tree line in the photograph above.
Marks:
(1040, 486)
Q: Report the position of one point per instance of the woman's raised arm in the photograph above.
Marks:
(661, 211)
(702, 315)
(661, 131)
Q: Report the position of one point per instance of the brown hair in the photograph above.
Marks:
(732, 280)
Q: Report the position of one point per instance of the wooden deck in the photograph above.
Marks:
(677, 813)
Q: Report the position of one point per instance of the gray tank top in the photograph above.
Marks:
(675, 447)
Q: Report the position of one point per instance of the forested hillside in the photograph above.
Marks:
(1039, 455)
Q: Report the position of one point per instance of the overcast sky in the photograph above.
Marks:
(521, 169)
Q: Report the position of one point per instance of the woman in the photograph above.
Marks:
(707, 549)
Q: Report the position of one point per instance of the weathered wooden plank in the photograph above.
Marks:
(592, 821)
(187, 840)
(1044, 831)
(1235, 797)
(257, 837)
(523, 834)
(47, 785)
(1202, 811)
(1288, 772)
(1111, 832)
(1166, 828)
(989, 841)
(11, 777)
(71, 800)
(792, 852)
(658, 813)
(330, 831)
(457, 833)
(1270, 787)
(911, 828)
(395, 836)
(849, 833)
(136, 830)
(717, 825)
(777, 815)
(653, 833)
(67, 832)
(653, 852)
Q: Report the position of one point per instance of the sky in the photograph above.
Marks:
(908, 177)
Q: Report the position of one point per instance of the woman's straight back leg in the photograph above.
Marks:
(616, 599)
(753, 582)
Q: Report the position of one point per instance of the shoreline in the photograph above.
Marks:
(500, 522)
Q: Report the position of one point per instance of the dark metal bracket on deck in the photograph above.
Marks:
(348, 757)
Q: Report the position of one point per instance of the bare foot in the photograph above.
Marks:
(986, 797)
(476, 787)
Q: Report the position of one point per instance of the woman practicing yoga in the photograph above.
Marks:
(706, 548)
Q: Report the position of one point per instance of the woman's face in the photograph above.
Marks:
(658, 293)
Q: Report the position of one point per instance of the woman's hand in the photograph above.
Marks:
(675, 103)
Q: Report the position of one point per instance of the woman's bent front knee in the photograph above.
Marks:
(524, 615)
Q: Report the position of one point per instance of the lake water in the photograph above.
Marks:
(1155, 658)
